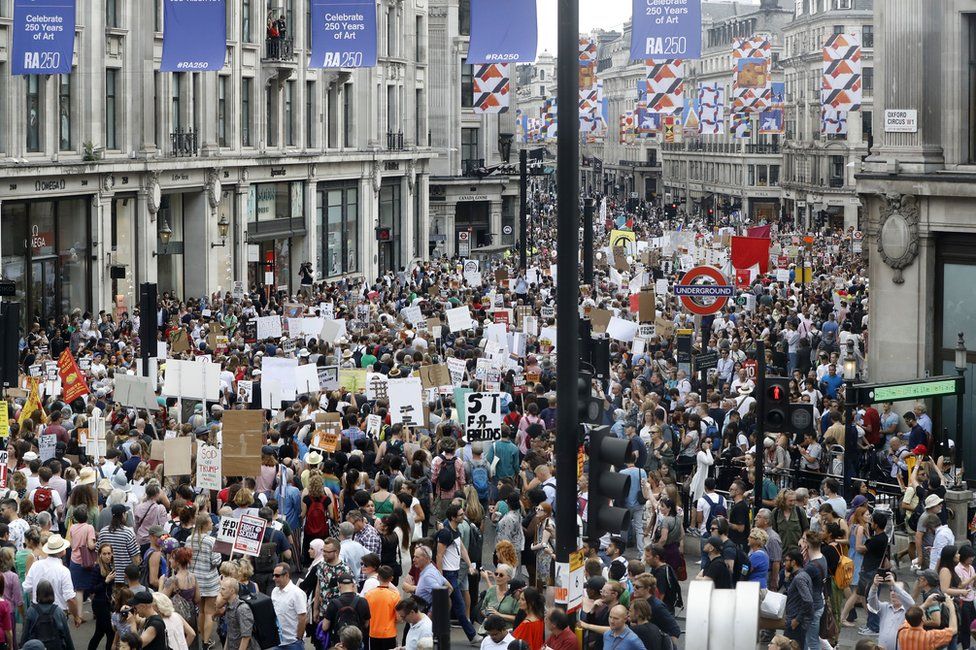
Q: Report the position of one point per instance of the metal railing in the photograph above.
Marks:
(184, 143)
(394, 141)
(836, 182)
(472, 167)
(277, 48)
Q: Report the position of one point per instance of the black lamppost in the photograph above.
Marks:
(960, 353)
(505, 146)
(850, 430)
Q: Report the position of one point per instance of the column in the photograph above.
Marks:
(312, 243)
(494, 222)
(423, 187)
(450, 245)
(407, 189)
(146, 233)
(198, 268)
(241, 193)
(102, 297)
(205, 105)
(368, 210)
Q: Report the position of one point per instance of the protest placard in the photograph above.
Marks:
(177, 457)
(352, 379)
(459, 319)
(406, 402)
(482, 416)
(435, 376)
(328, 377)
(377, 386)
(243, 437)
(374, 425)
(250, 533)
(46, 445)
(208, 466)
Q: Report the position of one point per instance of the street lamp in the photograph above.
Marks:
(222, 227)
(961, 361)
(850, 431)
(165, 233)
(850, 363)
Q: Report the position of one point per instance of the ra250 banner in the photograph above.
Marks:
(194, 35)
(44, 36)
(343, 34)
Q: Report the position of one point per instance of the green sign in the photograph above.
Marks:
(917, 390)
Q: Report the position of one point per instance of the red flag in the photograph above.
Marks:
(750, 251)
(72, 380)
(742, 278)
(758, 231)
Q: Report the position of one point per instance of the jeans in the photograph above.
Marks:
(797, 634)
(874, 621)
(457, 604)
(636, 526)
(812, 637)
(791, 363)
(294, 645)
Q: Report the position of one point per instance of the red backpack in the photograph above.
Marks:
(316, 520)
(42, 499)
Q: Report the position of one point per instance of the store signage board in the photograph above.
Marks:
(917, 389)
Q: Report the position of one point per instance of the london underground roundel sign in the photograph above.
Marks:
(704, 290)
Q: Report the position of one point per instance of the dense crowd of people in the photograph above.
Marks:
(359, 541)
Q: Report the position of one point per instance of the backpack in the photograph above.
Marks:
(42, 499)
(920, 494)
(316, 521)
(476, 543)
(265, 620)
(346, 616)
(266, 559)
(844, 573)
(711, 431)
(447, 479)
(479, 479)
(715, 509)
(658, 639)
(46, 630)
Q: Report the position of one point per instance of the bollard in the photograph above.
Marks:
(715, 615)
(440, 617)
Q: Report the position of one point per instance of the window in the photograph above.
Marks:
(392, 124)
(176, 102)
(245, 21)
(338, 226)
(867, 36)
(867, 126)
(271, 123)
(222, 111)
(774, 175)
(838, 29)
(420, 39)
(289, 114)
(971, 20)
(347, 122)
(246, 111)
(469, 146)
(464, 17)
(868, 79)
(391, 33)
(332, 117)
(837, 167)
(763, 179)
(33, 112)
(64, 112)
(419, 131)
(157, 15)
(752, 175)
(542, 74)
(467, 85)
(112, 13)
(309, 114)
(542, 91)
(843, 4)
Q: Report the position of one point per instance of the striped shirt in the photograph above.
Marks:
(124, 549)
(916, 638)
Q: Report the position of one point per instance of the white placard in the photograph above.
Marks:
(782, 275)
(333, 330)
(208, 466)
(328, 377)
(459, 319)
(406, 402)
(46, 445)
(374, 424)
(327, 310)
(622, 330)
(483, 416)
(192, 379)
(661, 286)
(278, 381)
(456, 368)
(306, 379)
(377, 386)
(268, 327)
(413, 315)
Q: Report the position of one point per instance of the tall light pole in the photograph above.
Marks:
(961, 354)
(850, 430)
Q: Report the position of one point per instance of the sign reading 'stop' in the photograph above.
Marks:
(666, 29)
(343, 34)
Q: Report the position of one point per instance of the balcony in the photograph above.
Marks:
(394, 141)
(278, 49)
(183, 144)
(836, 182)
(473, 167)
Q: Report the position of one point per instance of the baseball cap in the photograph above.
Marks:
(140, 598)
(346, 579)
(715, 541)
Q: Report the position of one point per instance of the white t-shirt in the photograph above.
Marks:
(289, 603)
(488, 644)
(704, 508)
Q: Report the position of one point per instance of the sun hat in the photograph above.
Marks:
(55, 544)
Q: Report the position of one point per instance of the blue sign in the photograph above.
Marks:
(503, 31)
(666, 29)
(343, 34)
(194, 35)
(704, 290)
(44, 36)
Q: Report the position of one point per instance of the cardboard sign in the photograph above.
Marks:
(178, 341)
(327, 441)
(483, 416)
(664, 328)
(156, 450)
(250, 533)
(620, 260)
(548, 312)
(435, 376)
(599, 319)
(243, 437)
(208, 466)
(646, 308)
(177, 457)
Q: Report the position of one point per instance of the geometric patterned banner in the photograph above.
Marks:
(833, 122)
(665, 86)
(711, 111)
(750, 75)
(690, 122)
(647, 123)
(627, 127)
(771, 119)
(492, 88)
(741, 125)
(841, 89)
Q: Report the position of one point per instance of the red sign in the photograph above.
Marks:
(692, 293)
(782, 262)
(72, 381)
(501, 317)
(742, 277)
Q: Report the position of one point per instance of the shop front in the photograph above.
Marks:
(390, 257)
(337, 223)
(274, 221)
(46, 251)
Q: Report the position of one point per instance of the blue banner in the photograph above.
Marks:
(343, 34)
(194, 35)
(503, 31)
(44, 36)
(666, 29)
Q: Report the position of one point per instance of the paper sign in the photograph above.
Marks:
(548, 312)
(227, 529)
(4, 420)
(456, 367)
(406, 402)
(646, 308)
(374, 425)
(135, 391)
(435, 376)
(250, 533)
(661, 286)
(622, 330)
(208, 466)
(46, 445)
(245, 391)
(269, 327)
(412, 315)
(328, 377)
(333, 330)
(645, 331)
(352, 379)
(483, 416)
(377, 386)
(243, 437)
(3, 469)
(782, 275)
(459, 319)
(306, 379)
(177, 455)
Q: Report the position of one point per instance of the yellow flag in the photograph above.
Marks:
(33, 403)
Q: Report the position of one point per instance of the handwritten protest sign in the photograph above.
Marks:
(483, 416)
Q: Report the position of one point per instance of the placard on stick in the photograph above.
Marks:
(243, 437)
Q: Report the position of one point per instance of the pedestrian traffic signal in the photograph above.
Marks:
(606, 486)
(590, 408)
(776, 404)
(384, 233)
(801, 419)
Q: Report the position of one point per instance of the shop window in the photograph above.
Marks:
(338, 227)
(33, 112)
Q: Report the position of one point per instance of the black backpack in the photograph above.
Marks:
(347, 615)
(46, 630)
(447, 479)
(265, 620)
(715, 509)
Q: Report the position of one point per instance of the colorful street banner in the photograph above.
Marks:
(492, 88)
(503, 31)
(194, 35)
(73, 383)
(627, 127)
(43, 37)
(741, 126)
(751, 76)
(690, 123)
(665, 86)
(711, 111)
(771, 122)
(833, 122)
(666, 28)
(343, 34)
(777, 94)
(842, 74)
(647, 123)
(669, 125)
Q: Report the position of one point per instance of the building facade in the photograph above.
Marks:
(118, 174)
(818, 170)
(472, 204)
(918, 186)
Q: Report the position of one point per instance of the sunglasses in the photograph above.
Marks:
(278, 575)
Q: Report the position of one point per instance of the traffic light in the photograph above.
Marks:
(590, 410)
(801, 419)
(384, 233)
(605, 485)
(776, 404)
